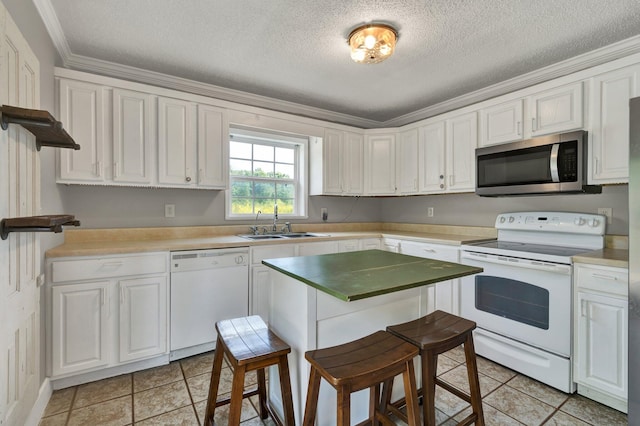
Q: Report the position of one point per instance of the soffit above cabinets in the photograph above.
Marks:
(293, 56)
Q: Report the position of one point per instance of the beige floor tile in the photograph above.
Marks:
(593, 412)
(448, 403)
(160, 400)
(184, 416)
(115, 412)
(492, 417)
(199, 387)
(494, 370)
(563, 419)
(518, 405)
(55, 420)
(198, 364)
(538, 390)
(444, 364)
(458, 378)
(456, 354)
(153, 377)
(60, 401)
(102, 390)
(222, 413)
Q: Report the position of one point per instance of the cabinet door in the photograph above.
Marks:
(380, 165)
(176, 142)
(407, 162)
(432, 158)
(143, 317)
(213, 147)
(556, 110)
(82, 112)
(462, 140)
(332, 162)
(501, 123)
(132, 114)
(351, 165)
(601, 359)
(610, 125)
(79, 331)
(313, 249)
(260, 292)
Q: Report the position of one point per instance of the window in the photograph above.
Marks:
(266, 169)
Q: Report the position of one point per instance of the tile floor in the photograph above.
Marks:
(176, 394)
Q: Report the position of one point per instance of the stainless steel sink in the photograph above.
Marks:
(279, 236)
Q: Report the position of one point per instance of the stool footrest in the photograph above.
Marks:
(246, 394)
(455, 391)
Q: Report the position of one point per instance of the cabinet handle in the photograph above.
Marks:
(533, 124)
(442, 186)
(595, 165)
(429, 250)
(102, 301)
(115, 169)
(451, 181)
(519, 128)
(605, 277)
(583, 308)
(99, 169)
(121, 295)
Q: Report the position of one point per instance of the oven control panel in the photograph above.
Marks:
(568, 222)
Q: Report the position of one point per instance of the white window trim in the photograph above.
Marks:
(302, 171)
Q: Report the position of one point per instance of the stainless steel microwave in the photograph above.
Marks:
(544, 165)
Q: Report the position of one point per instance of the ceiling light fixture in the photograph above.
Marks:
(372, 43)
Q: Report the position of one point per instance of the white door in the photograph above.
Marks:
(81, 109)
(143, 317)
(556, 110)
(80, 330)
(407, 162)
(501, 123)
(332, 159)
(432, 158)
(213, 147)
(380, 164)
(351, 164)
(20, 252)
(132, 126)
(602, 343)
(176, 142)
(462, 140)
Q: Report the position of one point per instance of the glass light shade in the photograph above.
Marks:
(372, 43)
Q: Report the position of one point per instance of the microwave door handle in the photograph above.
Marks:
(553, 162)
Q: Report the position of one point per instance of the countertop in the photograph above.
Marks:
(618, 258)
(362, 274)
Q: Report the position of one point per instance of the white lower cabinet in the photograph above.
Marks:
(259, 283)
(106, 311)
(600, 366)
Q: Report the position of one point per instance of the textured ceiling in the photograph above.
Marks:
(296, 50)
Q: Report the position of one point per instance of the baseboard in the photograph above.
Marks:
(44, 395)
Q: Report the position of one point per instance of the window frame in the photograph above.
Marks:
(301, 167)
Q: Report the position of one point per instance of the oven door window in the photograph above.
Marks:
(513, 299)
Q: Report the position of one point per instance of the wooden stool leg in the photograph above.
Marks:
(374, 402)
(411, 394)
(429, 371)
(311, 405)
(285, 389)
(262, 393)
(213, 385)
(237, 391)
(474, 383)
(385, 399)
(344, 406)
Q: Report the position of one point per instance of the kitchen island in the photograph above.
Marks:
(327, 300)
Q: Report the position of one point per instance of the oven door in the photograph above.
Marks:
(526, 300)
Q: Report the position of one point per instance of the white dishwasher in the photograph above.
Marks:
(206, 286)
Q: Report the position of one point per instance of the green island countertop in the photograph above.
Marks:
(360, 274)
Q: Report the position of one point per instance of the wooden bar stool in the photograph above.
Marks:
(434, 334)
(249, 345)
(363, 363)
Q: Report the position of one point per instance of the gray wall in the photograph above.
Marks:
(469, 209)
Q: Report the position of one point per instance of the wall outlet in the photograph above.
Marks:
(169, 210)
(429, 211)
(608, 212)
(324, 213)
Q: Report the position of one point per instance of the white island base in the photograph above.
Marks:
(308, 319)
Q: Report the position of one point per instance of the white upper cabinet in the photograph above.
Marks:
(81, 109)
(336, 164)
(132, 127)
(501, 123)
(380, 164)
(407, 162)
(556, 110)
(609, 108)
(177, 143)
(213, 147)
(462, 140)
(431, 153)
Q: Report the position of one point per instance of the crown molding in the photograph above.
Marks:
(581, 62)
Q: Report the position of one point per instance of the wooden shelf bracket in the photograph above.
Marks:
(47, 130)
(51, 223)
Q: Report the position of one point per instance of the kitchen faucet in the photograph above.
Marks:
(275, 218)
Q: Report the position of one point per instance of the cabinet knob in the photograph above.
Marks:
(188, 179)
(441, 176)
(441, 185)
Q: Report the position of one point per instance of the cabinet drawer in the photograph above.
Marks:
(604, 279)
(258, 254)
(105, 267)
(430, 251)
